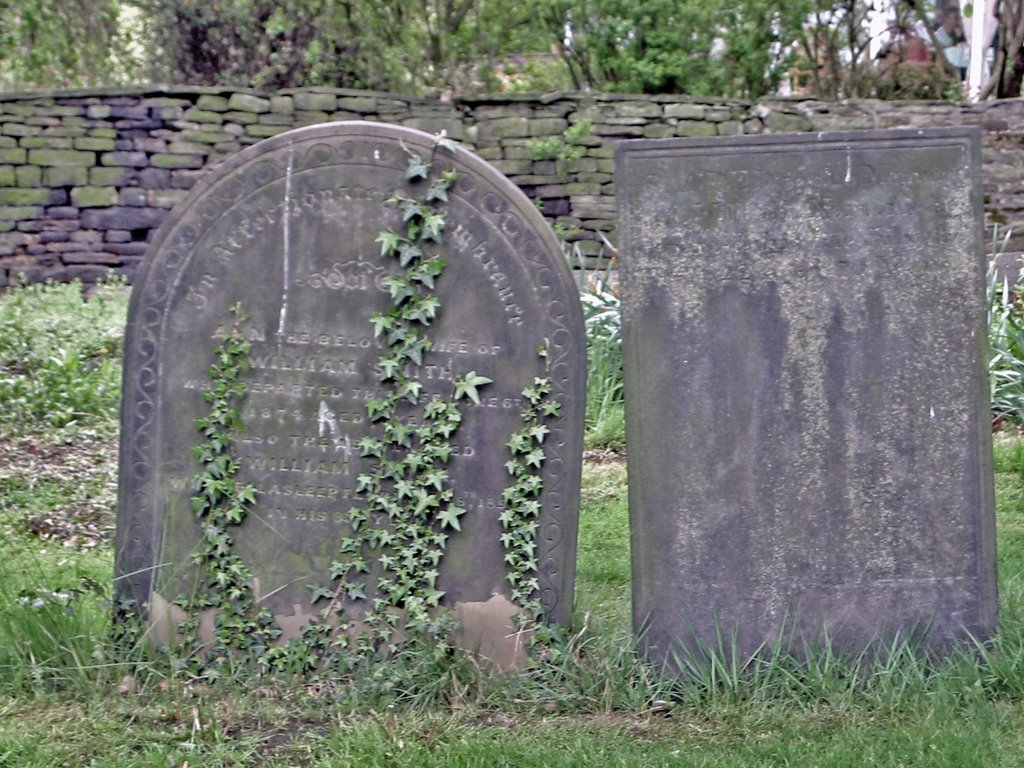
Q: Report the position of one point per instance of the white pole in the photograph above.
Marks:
(974, 72)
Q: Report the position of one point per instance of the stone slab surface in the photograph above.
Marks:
(807, 415)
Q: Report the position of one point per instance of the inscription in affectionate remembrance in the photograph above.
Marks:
(807, 415)
(287, 230)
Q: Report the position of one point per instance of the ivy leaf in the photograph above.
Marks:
(466, 386)
(433, 226)
(381, 323)
(449, 517)
(438, 192)
(408, 253)
(417, 168)
(388, 242)
(317, 592)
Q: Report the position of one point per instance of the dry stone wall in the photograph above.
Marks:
(87, 176)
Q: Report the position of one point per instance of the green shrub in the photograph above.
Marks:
(60, 354)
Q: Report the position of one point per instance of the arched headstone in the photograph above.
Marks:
(287, 230)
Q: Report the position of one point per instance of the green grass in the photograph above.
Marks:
(67, 699)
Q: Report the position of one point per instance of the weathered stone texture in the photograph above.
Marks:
(807, 399)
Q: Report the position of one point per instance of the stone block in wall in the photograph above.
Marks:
(129, 159)
(61, 217)
(490, 131)
(106, 133)
(276, 118)
(29, 176)
(117, 236)
(20, 212)
(93, 197)
(658, 131)
(555, 207)
(72, 131)
(548, 190)
(686, 111)
(7, 176)
(306, 117)
(95, 143)
(693, 128)
(91, 256)
(155, 178)
(49, 157)
(729, 128)
(203, 116)
(8, 141)
(45, 142)
(212, 103)
(282, 105)
(316, 102)
(242, 118)
(165, 198)
(783, 122)
(577, 188)
(244, 102)
(265, 131)
(511, 167)
(205, 137)
(18, 196)
(533, 179)
(359, 104)
(594, 178)
(593, 206)
(646, 109)
(122, 217)
(180, 147)
(618, 130)
(178, 161)
(604, 152)
(135, 196)
(148, 144)
(344, 114)
(185, 179)
(101, 177)
(451, 126)
(18, 129)
(86, 236)
(547, 126)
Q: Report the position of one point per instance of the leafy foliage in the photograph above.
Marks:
(60, 365)
(47, 43)
(243, 631)
(664, 46)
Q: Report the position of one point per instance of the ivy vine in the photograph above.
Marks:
(242, 630)
(383, 589)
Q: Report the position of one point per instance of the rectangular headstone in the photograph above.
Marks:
(806, 391)
(288, 230)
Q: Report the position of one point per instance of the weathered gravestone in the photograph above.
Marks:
(288, 231)
(807, 416)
